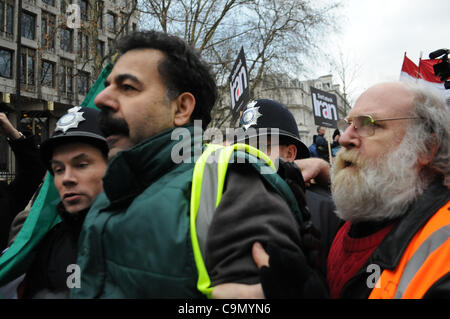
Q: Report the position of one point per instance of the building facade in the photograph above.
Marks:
(296, 95)
(62, 48)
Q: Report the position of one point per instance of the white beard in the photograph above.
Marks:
(379, 190)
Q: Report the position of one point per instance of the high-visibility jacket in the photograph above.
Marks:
(207, 187)
(425, 261)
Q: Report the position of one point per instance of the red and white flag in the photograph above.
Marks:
(423, 74)
(409, 69)
(426, 72)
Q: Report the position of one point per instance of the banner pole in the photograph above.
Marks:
(330, 154)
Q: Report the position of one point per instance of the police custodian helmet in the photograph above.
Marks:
(270, 114)
(79, 124)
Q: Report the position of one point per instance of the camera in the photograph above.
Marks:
(442, 69)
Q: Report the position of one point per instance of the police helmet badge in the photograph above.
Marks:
(250, 115)
(70, 120)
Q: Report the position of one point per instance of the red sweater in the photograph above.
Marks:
(348, 255)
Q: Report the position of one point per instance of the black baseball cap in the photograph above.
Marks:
(79, 124)
(270, 114)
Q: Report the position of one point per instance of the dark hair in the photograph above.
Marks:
(336, 132)
(182, 70)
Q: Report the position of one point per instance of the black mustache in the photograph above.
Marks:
(112, 126)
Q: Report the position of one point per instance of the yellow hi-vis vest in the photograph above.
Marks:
(424, 262)
(208, 182)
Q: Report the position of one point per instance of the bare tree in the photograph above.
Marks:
(90, 50)
(276, 35)
(347, 72)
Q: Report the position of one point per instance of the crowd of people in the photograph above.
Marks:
(137, 224)
(320, 146)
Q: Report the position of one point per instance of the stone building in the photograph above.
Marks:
(62, 49)
(296, 95)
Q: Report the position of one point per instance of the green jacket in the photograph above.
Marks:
(135, 241)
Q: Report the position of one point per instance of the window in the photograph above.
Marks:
(83, 45)
(50, 2)
(6, 63)
(100, 48)
(48, 74)
(83, 82)
(111, 22)
(28, 58)
(66, 39)
(84, 9)
(122, 4)
(48, 30)
(66, 77)
(99, 10)
(64, 4)
(6, 17)
(28, 25)
(110, 45)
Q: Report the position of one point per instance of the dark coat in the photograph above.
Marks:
(47, 276)
(136, 242)
(324, 218)
(15, 196)
(322, 147)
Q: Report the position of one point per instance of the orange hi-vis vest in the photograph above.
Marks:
(424, 262)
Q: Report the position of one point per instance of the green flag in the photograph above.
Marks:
(43, 215)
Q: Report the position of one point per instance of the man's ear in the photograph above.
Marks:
(185, 104)
(291, 153)
(425, 159)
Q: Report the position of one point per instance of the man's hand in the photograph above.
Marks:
(289, 276)
(260, 256)
(314, 168)
(238, 291)
(242, 291)
(7, 129)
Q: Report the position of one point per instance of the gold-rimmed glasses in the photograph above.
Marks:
(364, 124)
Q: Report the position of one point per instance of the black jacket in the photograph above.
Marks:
(48, 274)
(391, 249)
(322, 147)
(15, 196)
(324, 218)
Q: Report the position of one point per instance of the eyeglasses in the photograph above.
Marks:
(365, 125)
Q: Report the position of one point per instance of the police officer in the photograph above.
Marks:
(273, 128)
(76, 156)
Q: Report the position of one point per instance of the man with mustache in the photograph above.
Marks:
(138, 240)
(391, 184)
(76, 156)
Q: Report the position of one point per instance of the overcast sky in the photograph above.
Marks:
(377, 33)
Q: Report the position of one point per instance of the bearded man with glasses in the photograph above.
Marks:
(391, 184)
(388, 182)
